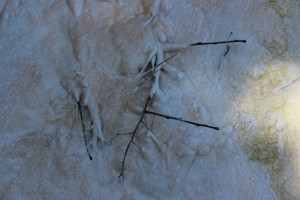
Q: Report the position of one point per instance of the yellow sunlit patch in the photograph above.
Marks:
(273, 101)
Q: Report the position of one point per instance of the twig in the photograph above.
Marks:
(221, 42)
(145, 111)
(156, 69)
(179, 119)
(133, 142)
(152, 121)
(83, 130)
(132, 136)
(288, 84)
(159, 66)
(222, 58)
(118, 135)
(145, 125)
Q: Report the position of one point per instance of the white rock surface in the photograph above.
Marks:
(54, 53)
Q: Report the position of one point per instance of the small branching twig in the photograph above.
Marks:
(141, 80)
(132, 137)
(180, 119)
(221, 42)
(83, 130)
(145, 111)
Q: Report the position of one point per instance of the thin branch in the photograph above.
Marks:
(228, 46)
(221, 42)
(118, 135)
(288, 84)
(145, 111)
(222, 58)
(83, 130)
(133, 142)
(180, 119)
(155, 69)
(152, 121)
(159, 66)
(227, 50)
(132, 137)
(145, 125)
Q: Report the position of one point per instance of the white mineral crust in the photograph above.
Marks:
(103, 53)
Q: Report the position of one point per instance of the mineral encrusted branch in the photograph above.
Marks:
(132, 136)
(145, 111)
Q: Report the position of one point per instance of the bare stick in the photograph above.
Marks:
(179, 119)
(83, 130)
(221, 42)
(132, 136)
